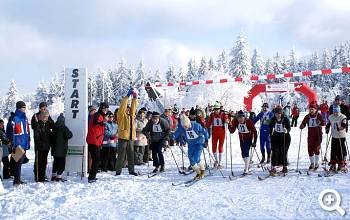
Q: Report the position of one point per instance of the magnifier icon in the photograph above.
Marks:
(330, 200)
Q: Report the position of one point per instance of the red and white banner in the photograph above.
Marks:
(256, 77)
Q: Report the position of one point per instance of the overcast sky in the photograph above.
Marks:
(38, 37)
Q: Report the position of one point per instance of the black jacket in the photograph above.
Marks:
(61, 134)
(285, 123)
(157, 136)
(42, 135)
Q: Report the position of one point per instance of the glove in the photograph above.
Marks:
(134, 95)
(131, 90)
(254, 144)
(206, 144)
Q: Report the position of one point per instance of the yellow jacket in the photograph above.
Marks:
(124, 123)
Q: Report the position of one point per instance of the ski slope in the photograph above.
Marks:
(127, 197)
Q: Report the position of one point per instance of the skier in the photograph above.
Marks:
(280, 140)
(337, 122)
(247, 136)
(314, 121)
(217, 121)
(197, 137)
(265, 140)
(157, 129)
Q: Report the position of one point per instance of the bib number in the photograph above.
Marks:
(157, 128)
(191, 135)
(279, 128)
(242, 128)
(217, 122)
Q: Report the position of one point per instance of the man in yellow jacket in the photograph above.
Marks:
(126, 132)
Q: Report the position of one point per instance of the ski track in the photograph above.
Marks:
(127, 197)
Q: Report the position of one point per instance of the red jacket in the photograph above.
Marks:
(324, 108)
(96, 130)
(246, 130)
(217, 121)
(295, 111)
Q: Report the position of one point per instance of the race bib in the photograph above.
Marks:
(279, 128)
(335, 126)
(313, 122)
(191, 135)
(157, 128)
(217, 122)
(242, 128)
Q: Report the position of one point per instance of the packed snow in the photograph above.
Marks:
(128, 197)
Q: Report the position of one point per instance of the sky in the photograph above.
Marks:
(38, 38)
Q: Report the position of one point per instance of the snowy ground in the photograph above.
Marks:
(126, 197)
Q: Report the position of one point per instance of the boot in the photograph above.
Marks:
(263, 158)
(284, 169)
(156, 170)
(18, 182)
(162, 169)
(216, 164)
(197, 170)
(268, 158)
(246, 165)
(316, 167)
(312, 166)
(202, 174)
(332, 168)
(273, 171)
(133, 173)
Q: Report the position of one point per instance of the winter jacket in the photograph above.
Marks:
(286, 111)
(157, 132)
(34, 121)
(314, 123)
(195, 135)
(169, 120)
(246, 130)
(324, 108)
(4, 143)
(141, 139)
(295, 111)
(110, 135)
(126, 122)
(96, 129)
(18, 132)
(335, 122)
(61, 134)
(42, 135)
(217, 121)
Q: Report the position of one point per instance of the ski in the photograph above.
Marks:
(182, 183)
(188, 173)
(239, 176)
(150, 175)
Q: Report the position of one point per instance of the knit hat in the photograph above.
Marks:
(338, 98)
(185, 121)
(265, 105)
(155, 114)
(20, 104)
(143, 109)
(91, 108)
(278, 109)
(104, 105)
(60, 118)
(42, 104)
(240, 113)
(313, 105)
(192, 111)
(336, 108)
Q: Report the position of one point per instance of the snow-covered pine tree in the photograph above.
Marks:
(292, 63)
(211, 64)
(203, 68)
(122, 82)
(170, 75)
(335, 58)
(326, 62)
(314, 62)
(56, 87)
(92, 89)
(222, 65)
(257, 63)
(192, 70)
(104, 88)
(268, 66)
(132, 74)
(10, 101)
(140, 83)
(240, 64)
(344, 54)
(41, 95)
(157, 76)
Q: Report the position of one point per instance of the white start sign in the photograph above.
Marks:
(75, 109)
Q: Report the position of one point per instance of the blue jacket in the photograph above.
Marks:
(195, 135)
(264, 121)
(110, 135)
(19, 132)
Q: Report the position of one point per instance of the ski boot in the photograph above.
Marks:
(312, 167)
(220, 166)
(156, 170)
(162, 169)
(284, 170)
(316, 167)
(216, 164)
(273, 171)
(268, 158)
(202, 174)
(332, 168)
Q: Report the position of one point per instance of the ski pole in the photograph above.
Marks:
(262, 166)
(182, 156)
(299, 150)
(325, 154)
(218, 168)
(231, 156)
(205, 162)
(226, 145)
(181, 172)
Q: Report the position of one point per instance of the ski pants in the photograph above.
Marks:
(95, 160)
(245, 147)
(279, 146)
(108, 158)
(59, 164)
(338, 151)
(194, 153)
(157, 154)
(265, 140)
(40, 165)
(325, 117)
(314, 145)
(218, 136)
(6, 168)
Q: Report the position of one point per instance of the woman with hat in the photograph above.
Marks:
(141, 139)
(280, 140)
(314, 122)
(247, 136)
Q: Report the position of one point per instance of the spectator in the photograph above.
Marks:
(141, 139)
(108, 152)
(295, 115)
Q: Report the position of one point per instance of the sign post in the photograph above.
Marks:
(75, 108)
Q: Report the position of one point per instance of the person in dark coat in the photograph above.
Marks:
(42, 144)
(61, 134)
(4, 141)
